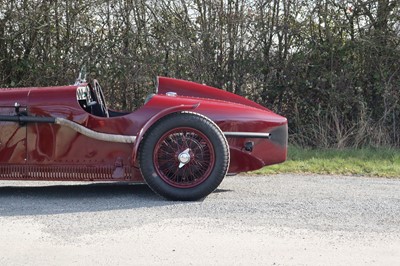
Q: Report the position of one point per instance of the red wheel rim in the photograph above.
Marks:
(175, 142)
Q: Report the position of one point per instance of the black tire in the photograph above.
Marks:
(184, 156)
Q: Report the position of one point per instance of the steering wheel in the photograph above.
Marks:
(98, 92)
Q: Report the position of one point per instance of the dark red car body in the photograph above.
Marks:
(37, 150)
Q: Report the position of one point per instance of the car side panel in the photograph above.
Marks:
(55, 149)
(12, 141)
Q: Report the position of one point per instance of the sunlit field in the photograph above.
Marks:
(381, 162)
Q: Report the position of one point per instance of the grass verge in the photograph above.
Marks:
(381, 162)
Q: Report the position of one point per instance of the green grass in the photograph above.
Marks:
(379, 162)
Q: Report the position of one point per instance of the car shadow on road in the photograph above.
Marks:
(56, 199)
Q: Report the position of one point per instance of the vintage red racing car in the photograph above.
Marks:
(181, 142)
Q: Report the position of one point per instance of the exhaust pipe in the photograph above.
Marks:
(22, 120)
(94, 134)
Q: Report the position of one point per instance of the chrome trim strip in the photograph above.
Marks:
(247, 135)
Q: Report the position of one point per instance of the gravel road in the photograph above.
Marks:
(249, 220)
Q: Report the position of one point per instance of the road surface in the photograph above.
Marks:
(248, 220)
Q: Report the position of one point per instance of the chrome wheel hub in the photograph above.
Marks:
(184, 157)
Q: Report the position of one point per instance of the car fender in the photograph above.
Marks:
(153, 120)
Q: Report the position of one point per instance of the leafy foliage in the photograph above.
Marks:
(331, 67)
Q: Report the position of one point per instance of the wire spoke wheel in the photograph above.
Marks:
(198, 164)
(184, 156)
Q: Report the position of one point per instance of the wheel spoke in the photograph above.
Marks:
(192, 171)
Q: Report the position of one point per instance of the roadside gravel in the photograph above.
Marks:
(249, 220)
